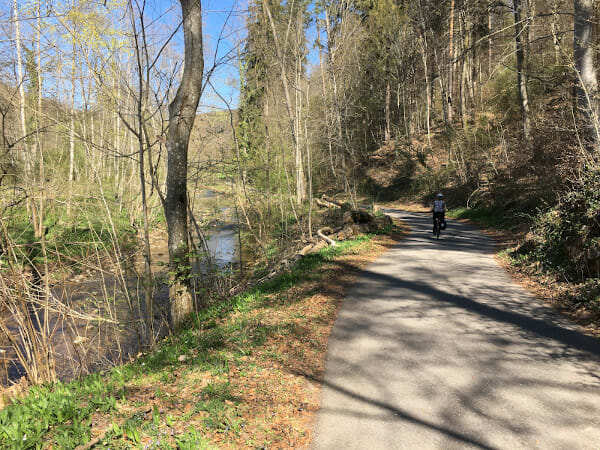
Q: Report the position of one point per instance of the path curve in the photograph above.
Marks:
(436, 347)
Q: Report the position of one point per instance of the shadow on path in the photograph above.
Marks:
(403, 415)
(571, 338)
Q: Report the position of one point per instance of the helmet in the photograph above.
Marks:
(440, 195)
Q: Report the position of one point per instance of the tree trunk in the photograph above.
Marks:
(182, 113)
(300, 183)
(427, 88)
(300, 178)
(336, 103)
(463, 73)
(39, 226)
(463, 93)
(326, 104)
(71, 135)
(521, 71)
(308, 167)
(388, 121)
(20, 82)
(141, 103)
(451, 58)
(583, 51)
(554, 27)
(443, 93)
(489, 38)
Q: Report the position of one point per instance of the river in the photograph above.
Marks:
(115, 297)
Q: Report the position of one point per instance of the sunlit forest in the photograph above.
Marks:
(152, 168)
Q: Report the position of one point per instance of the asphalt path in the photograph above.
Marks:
(436, 347)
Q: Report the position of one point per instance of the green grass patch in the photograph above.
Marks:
(486, 216)
(61, 414)
(89, 230)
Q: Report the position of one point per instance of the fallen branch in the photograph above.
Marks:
(326, 204)
(321, 234)
(331, 200)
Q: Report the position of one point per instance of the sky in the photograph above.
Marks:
(223, 31)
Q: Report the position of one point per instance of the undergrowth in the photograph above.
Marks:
(564, 245)
(486, 216)
(71, 238)
(182, 394)
(566, 239)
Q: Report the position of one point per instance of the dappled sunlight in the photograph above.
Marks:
(435, 339)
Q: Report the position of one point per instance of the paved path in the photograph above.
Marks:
(436, 347)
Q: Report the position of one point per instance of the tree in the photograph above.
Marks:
(521, 69)
(281, 50)
(583, 50)
(182, 113)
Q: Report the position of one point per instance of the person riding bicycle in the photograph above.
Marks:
(439, 211)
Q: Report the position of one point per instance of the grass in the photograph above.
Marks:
(245, 373)
(83, 235)
(487, 216)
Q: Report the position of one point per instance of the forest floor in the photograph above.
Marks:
(247, 374)
(267, 389)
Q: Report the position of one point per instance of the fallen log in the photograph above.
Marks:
(321, 234)
(331, 200)
(326, 204)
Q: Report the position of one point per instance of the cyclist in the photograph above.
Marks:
(439, 210)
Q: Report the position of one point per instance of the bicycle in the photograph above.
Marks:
(437, 227)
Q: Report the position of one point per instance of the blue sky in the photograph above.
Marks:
(223, 31)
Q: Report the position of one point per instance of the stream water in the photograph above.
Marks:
(82, 345)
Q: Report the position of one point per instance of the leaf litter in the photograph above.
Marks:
(261, 386)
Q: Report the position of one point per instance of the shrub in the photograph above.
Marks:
(567, 238)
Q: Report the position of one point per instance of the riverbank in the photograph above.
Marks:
(247, 374)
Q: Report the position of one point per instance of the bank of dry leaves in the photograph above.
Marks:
(274, 391)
